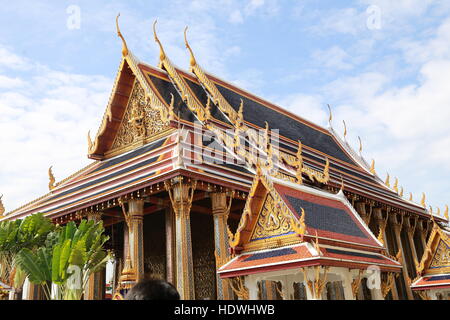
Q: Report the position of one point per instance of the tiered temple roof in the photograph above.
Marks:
(290, 226)
(179, 98)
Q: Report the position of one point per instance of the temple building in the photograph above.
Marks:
(228, 196)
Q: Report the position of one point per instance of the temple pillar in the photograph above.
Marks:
(252, 286)
(361, 209)
(423, 229)
(170, 246)
(397, 224)
(181, 192)
(220, 210)
(136, 236)
(410, 230)
(95, 287)
(382, 223)
(288, 287)
(347, 281)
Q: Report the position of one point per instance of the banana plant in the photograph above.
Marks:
(30, 233)
(70, 256)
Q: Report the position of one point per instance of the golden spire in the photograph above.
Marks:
(345, 129)
(162, 54)
(387, 183)
(446, 212)
(193, 62)
(124, 44)
(422, 201)
(401, 192)
(410, 196)
(331, 115)
(51, 177)
(2, 208)
(372, 167)
(360, 144)
(395, 187)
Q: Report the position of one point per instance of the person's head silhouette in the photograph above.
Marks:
(153, 289)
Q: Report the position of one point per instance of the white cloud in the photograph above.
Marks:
(334, 58)
(236, 17)
(44, 122)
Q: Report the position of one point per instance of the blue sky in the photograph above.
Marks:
(383, 66)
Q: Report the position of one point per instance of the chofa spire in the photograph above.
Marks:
(124, 43)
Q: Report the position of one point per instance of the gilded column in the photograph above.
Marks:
(95, 286)
(181, 192)
(136, 236)
(220, 210)
(397, 224)
(361, 209)
(170, 247)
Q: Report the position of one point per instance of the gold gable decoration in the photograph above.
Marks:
(140, 122)
(441, 258)
(271, 221)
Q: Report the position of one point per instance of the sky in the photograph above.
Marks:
(382, 65)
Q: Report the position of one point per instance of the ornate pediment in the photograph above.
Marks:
(441, 258)
(140, 123)
(271, 222)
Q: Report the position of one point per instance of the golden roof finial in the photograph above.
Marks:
(401, 192)
(410, 196)
(162, 54)
(345, 129)
(330, 118)
(2, 208)
(372, 167)
(387, 183)
(89, 140)
(446, 212)
(422, 201)
(360, 145)
(51, 177)
(395, 187)
(124, 43)
(299, 226)
(193, 62)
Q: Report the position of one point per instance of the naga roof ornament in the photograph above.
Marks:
(360, 145)
(330, 119)
(51, 178)
(119, 34)
(395, 187)
(345, 129)
(422, 201)
(372, 167)
(387, 183)
(162, 54)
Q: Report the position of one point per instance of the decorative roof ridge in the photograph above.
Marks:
(75, 174)
(352, 153)
(133, 62)
(323, 193)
